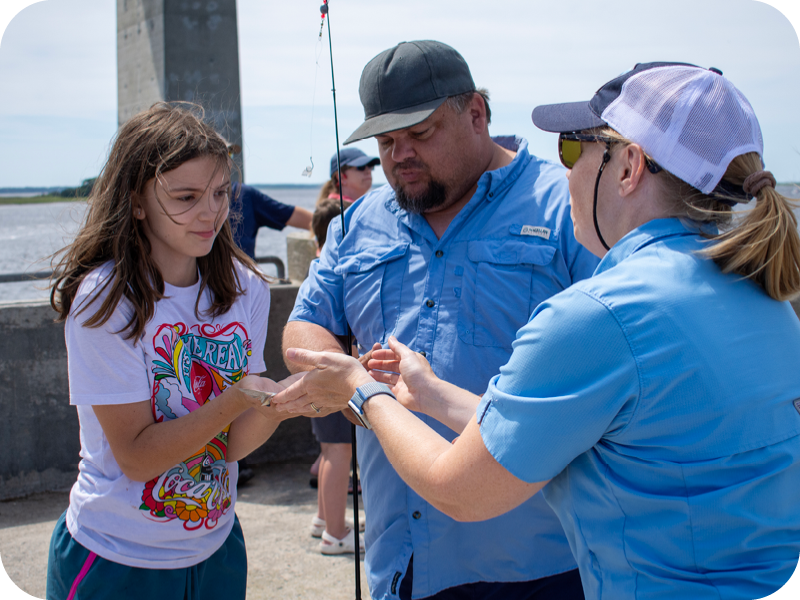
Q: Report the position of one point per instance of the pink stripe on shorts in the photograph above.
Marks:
(86, 566)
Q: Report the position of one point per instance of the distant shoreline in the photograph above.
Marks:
(33, 195)
(4, 200)
(38, 195)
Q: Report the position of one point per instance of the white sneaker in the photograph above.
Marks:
(347, 545)
(318, 526)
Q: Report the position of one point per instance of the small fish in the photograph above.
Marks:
(265, 397)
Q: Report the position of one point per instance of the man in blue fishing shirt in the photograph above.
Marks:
(452, 257)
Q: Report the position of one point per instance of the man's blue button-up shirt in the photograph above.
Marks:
(460, 299)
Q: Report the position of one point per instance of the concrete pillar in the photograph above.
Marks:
(301, 249)
(180, 50)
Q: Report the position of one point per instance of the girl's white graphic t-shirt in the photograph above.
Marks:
(183, 516)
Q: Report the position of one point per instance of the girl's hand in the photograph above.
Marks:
(408, 373)
(330, 385)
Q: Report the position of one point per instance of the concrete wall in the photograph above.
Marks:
(180, 50)
(38, 427)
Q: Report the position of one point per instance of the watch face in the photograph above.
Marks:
(355, 407)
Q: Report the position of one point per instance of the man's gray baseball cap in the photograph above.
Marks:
(402, 86)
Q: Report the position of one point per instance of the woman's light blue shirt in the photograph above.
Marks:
(661, 398)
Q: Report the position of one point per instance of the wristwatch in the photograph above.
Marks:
(364, 393)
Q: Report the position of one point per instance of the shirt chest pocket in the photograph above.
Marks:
(373, 283)
(498, 290)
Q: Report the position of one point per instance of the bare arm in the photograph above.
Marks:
(301, 334)
(462, 479)
(301, 218)
(145, 449)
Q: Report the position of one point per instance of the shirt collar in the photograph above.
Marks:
(644, 235)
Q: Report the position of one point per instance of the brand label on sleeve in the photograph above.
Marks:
(542, 232)
(797, 405)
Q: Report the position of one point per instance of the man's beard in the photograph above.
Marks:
(434, 196)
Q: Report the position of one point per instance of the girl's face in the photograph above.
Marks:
(181, 212)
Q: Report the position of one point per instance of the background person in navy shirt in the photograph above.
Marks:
(259, 210)
(656, 403)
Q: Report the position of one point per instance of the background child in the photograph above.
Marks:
(165, 321)
(334, 435)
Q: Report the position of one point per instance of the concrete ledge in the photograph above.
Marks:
(40, 429)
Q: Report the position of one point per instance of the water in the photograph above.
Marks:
(30, 233)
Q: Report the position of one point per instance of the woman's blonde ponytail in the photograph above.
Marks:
(764, 244)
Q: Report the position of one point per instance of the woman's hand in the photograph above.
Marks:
(408, 373)
(329, 386)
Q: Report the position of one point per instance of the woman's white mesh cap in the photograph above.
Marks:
(691, 121)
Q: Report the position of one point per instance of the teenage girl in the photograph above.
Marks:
(165, 323)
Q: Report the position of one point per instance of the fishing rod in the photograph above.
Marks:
(356, 536)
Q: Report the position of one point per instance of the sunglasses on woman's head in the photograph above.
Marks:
(569, 149)
(364, 168)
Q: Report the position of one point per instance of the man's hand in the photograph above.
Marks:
(330, 385)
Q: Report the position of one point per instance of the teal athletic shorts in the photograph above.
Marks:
(75, 573)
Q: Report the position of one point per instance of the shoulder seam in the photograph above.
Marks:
(630, 348)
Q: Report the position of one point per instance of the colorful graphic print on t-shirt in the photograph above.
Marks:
(197, 363)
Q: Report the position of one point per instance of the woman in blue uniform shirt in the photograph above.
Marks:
(657, 403)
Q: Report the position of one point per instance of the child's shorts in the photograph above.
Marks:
(75, 573)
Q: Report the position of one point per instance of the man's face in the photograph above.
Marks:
(430, 165)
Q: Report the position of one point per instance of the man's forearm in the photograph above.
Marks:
(301, 334)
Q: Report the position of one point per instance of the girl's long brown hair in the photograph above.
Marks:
(155, 141)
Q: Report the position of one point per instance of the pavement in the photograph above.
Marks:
(275, 508)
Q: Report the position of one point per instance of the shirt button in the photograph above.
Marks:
(422, 353)
(416, 514)
(439, 254)
(430, 303)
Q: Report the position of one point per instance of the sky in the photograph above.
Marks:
(59, 93)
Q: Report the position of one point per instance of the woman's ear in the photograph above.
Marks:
(633, 164)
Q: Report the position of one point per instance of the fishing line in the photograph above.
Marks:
(308, 170)
(356, 536)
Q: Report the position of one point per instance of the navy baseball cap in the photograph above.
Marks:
(353, 157)
(402, 86)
